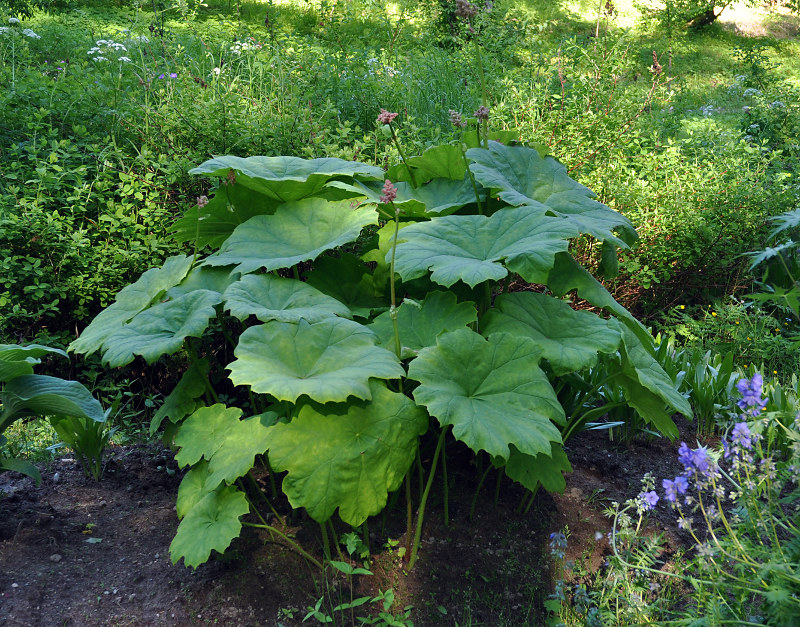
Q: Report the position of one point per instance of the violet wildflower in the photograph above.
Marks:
(648, 499)
(389, 192)
(558, 544)
(750, 389)
(386, 117)
(670, 490)
(482, 113)
(740, 436)
(173, 75)
(161, 76)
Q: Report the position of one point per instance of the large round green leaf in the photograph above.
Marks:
(420, 323)
(328, 360)
(230, 206)
(286, 178)
(161, 329)
(570, 340)
(349, 281)
(269, 297)
(202, 433)
(296, 232)
(439, 197)
(492, 392)
(130, 301)
(444, 161)
(520, 176)
(236, 455)
(210, 525)
(350, 460)
(531, 470)
(184, 398)
(471, 248)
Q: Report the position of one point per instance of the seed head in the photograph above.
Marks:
(455, 119)
(482, 113)
(385, 117)
(465, 10)
(656, 68)
(389, 191)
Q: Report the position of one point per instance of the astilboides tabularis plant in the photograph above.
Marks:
(358, 315)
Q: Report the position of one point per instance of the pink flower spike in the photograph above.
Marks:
(389, 191)
(385, 117)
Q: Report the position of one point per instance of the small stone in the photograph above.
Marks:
(56, 477)
(131, 597)
(55, 557)
(15, 585)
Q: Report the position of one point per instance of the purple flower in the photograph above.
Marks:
(670, 490)
(161, 76)
(173, 75)
(750, 389)
(681, 484)
(741, 436)
(694, 460)
(649, 499)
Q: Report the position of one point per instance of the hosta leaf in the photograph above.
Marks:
(17, 360)
(471, 248)
(161, 329)
(439, 197)
(269, 297)
(202, 433)
(244, 440)
(420, 324)
(230, 206)
(295, 232)
(350, 460)
(639, 362)
(130, 301)
(194, 486)
(21, 466)
(492, 392)
(520, 176)
(210, 525)
(570, 340)
(349, 281)
(531, 470)
(42, 395)
(327, 360)
(286, 178)
(444, 161)
(182, 401)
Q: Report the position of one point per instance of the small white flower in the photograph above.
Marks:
(13, 20)
(4, 29)
(99, 59)
(751, 91)
(125, 59)
(29, 33)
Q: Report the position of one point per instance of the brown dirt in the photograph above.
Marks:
(76, 552)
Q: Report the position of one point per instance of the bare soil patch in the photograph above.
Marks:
(75, 552)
